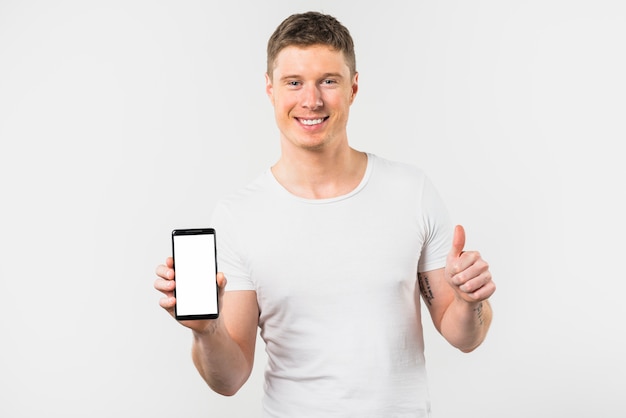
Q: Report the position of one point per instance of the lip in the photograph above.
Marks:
(313, 126)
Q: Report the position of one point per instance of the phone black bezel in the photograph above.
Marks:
(196, 231)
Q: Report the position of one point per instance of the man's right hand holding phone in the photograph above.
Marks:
(166, 284)
(223, 348)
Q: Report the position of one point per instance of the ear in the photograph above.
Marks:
(355, 87)
(269, 88)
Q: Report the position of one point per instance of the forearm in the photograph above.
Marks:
(465, 325)
(220, 361)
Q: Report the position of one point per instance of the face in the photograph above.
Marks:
(311, 90)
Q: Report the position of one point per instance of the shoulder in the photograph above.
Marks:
(397, 174)
(249, 194)
(395, 167)
(240, 204)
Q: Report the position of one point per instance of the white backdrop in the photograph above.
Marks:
(121, 120)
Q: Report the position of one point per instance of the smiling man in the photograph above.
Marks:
(328, 253)
(312, 88)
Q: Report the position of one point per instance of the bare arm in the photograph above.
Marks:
(457, 296)
(224, 355)
(223, 348)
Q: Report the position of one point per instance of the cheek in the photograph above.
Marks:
(282, 108)
(285, 103)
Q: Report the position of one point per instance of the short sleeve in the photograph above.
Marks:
(230, 250)
(438, 229)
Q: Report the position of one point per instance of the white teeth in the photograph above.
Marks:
(311, 121)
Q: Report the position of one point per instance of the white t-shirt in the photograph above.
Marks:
(336, 284)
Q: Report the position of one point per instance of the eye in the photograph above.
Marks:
(329, 81)
(293, 83)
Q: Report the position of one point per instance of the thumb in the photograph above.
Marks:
(458, 241)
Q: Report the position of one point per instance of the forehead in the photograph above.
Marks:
(309, 59)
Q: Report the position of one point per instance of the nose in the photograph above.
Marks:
(311, 97)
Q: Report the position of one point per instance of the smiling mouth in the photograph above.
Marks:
(312, 122)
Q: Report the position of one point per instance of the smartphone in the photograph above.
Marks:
(195, 263)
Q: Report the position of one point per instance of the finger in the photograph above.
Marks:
(472, 285)
(221, 280)
(458, 241)
(165, 272)
(466, 267)
(165, 286)
(483, 293)
(221, 284)
(167, 303)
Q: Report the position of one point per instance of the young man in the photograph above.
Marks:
(328, 252)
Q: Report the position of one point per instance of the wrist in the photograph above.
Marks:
(207, 329)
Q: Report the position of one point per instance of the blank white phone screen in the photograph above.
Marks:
(194, 262)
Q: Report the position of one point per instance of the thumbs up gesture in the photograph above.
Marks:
(467, 272)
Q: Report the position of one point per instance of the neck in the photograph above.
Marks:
(320, 174)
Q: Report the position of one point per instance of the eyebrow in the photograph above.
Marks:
(325, 75)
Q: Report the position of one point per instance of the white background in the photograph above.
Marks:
(122, 120)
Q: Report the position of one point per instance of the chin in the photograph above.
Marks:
(309, 144)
